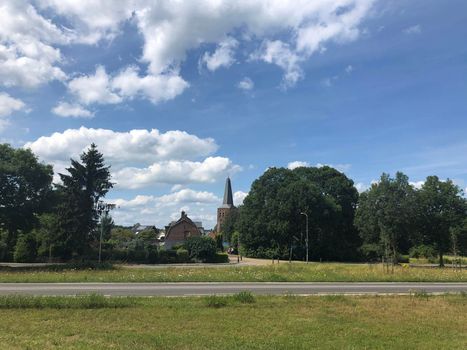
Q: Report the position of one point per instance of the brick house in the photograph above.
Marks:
(178, 231)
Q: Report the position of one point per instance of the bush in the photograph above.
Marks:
(151, 255)
(25, 249)
(219, 258)
(422, 251)
(201, 248)
(183, 255)
(371, 252)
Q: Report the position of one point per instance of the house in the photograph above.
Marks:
(178, 231)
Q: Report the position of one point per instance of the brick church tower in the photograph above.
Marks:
(227, 206)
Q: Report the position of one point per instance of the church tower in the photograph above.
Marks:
(227, 205)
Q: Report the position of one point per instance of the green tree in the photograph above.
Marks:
(25, 249)
(25, 186)
(230, 224)
(86, 183)
(385, 214)
(201, 248)
(442, 209)
(106, 224)
(270, 220)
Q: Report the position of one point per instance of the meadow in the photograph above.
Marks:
(240, 322)
(283, 272)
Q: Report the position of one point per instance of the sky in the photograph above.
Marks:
(178, 95)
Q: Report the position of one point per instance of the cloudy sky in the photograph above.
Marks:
(180, 94)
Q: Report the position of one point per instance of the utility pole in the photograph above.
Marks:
(306, 239)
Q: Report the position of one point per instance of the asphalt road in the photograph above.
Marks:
(187, 289)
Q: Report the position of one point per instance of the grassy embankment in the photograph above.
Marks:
(332, 322)
(284, 272)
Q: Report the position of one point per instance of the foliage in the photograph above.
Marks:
(244, 297)
(106, 224)
(86, 183)
(230, 224)
(271, 221)
(183, 255)
(201, 248)
(25, 249)
(25, 187)
(441, 208)
(385, 214)
(422, 251)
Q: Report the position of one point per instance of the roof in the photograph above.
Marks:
(228, 198)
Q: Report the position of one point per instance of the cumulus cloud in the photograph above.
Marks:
(159, 210)
(223, 56)
(140, 158)
(246, 84)
(239, 196)
(8, 105)
(28, 57)
(65, 109)
(176, 172)
(297, 164)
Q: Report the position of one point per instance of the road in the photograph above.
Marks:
(206, 288)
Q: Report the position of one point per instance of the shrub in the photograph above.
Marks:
(219, 258)
(201, 248)
(25, 249)
(422, 251)
(151, 255)
(371, 252)
(183, 255)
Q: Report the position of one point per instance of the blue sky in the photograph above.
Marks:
(383, 87)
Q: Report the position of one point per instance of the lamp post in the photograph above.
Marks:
(102, 208)
(306, 239)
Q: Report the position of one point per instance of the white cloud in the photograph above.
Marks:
(417, 184)
(94, 88)
(349, 69)
(175, 172)
(340, 167)
(297, 164)
(361, 187)
(27, 55)
(246, 84)
(140, 158)
(156, 88)
(8, 105)
(65, 109)
(239, 196)
(160, 210)
(279, 53)
(223, 56)
(415, 29)
(145, 146)
(104, 89)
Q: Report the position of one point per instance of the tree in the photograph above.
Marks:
(442, 210)
(86, 183)
(201, 248)
(25, 249)
(25, 186)
(385, 216)
(106, 224)
(230, 224)
(270, 221)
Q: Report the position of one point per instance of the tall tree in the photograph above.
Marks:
(25, 185)
(442, 209)
(86, 183)
(385, 214)
(271, 219)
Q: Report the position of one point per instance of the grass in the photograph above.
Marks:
(284, 272)
(280, 322)
(89, 301)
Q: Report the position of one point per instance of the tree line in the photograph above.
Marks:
(385, 222)
(40, 221)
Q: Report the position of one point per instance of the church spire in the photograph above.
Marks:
(228, 198)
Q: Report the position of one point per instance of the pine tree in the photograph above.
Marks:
(86, 184)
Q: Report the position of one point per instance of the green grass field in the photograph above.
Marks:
(284, 272)
(287, 322)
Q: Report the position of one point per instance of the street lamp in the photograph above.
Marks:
(102, 208)
(306, 239)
